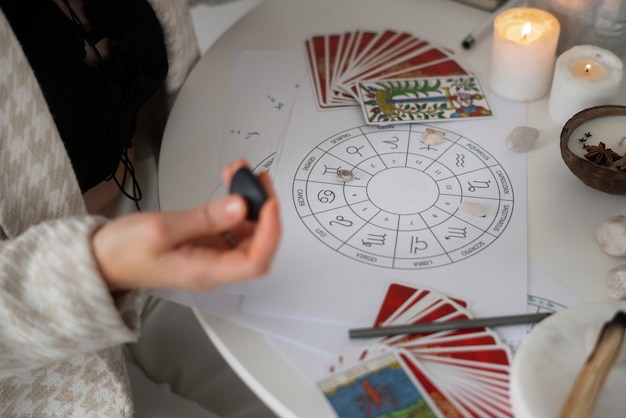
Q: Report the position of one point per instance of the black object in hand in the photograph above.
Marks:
(246, 184)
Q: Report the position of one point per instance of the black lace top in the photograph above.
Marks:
(93, 105)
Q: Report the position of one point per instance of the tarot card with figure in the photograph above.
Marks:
(429, 99)
(378, 387)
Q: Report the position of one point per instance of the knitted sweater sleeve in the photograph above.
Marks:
(180, 41)
(53, 301)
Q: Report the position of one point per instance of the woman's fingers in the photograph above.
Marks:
(215, 217)
(198, 248)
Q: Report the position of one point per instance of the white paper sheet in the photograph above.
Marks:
(262, 88)
(311, 280)
(323, 337)
(311, 346)
(546, 294)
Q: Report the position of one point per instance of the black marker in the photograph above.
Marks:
(480, 30)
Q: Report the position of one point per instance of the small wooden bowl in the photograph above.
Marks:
(597, 176)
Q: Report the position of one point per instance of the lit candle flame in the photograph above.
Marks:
(587, 68)
(526, 30)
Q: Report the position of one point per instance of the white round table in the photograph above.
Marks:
(563, 212)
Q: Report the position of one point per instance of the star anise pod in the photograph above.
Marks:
(621, 163)
(601, 155)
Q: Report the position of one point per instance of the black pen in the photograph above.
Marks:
(418, 328)
(485, 26)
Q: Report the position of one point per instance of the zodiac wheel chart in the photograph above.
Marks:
(381, 196)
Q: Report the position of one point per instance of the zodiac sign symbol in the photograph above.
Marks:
(374, 239)
(354, 150)
(341, 221)
(477, 184)
(460, 160)
(393, 142)
(417, 245)
(330, 170)
(456, 232)
(326, 196)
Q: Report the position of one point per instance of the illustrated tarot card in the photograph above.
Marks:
(377, 387)
(423, 99)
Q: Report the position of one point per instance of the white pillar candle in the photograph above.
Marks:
(588, 22)
(585, 76)
(523, 53)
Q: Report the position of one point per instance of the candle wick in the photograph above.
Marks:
(525, 31)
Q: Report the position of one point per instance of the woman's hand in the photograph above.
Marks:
(196, 249)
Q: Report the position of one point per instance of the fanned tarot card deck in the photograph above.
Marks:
(394, 76)
(456, 373)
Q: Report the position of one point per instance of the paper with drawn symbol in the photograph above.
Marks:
(259, 105)
(399, 219)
